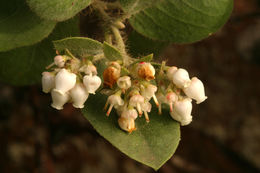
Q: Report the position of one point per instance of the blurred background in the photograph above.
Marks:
(223, 137)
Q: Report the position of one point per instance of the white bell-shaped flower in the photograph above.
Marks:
(146, 107)
(181, 78)
(161, 99)
(79, 95)
(114, 100)
(170, 72)
(92, 83)
(127, 124)
(171, 97)
(124, 82)
(136, 101)
(129, 113)
(58, 99)
(149, 92)
(182, 111)
(48, 81)
(64, 81)
(59, 61)
(196, 90)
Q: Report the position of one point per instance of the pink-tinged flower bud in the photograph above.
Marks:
(58, 99)
(79, 95)
(129, 113)
(64, 81)
(146, 107)
(48, 81)
(170, 72)
(114, 100)
(136, 101)
(59, 61)
(181, 78)
(89, 69)
(92, 83)
(124, 82)
(149, 92)
(127, 124)
(171, 97)
(145, 71)
(196, 90)
(182, 111)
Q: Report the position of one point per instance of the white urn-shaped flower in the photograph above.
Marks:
(114, 100)
(79, 95)
(58, 99)
(136, 101)
(170, 71)
(59, 61)
(64, 81)
(92, 83)
(48, 81)
(124, 82)
(182, 111)
(196, 90)
(129, 113)
(181, 78)
(127, 124)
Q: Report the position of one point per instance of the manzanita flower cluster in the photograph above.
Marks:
(130, 89)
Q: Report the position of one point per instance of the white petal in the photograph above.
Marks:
(115, 100)
(129, 113)
(146, 106)
(64, 81)
(92, 83)
(79, 95)
(170, 72)
(182, 111)
(58, 99)
(124, 82)
(136, 99)
(59, 61)
(196, 90)
(149, 91)
(181, 78)
(48, 82)
(127, 124)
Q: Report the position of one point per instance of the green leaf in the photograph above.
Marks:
(139, 45)
(79, 46)
(111, 52)
(23, 66)
(57, 10)
(182, 21)
(19, 26)
(147, 58)
(151, 144)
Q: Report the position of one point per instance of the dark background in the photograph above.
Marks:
(223, 137)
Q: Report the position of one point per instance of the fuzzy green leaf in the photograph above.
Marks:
(151, 144)
(182, 21)
(23, 66)
(57, 10)
(134, 6)
(111, 52)
(19, 26)
(79, 46)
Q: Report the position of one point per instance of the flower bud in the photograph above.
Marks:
(170, 72)
(114, 100)
(127, 124)
(59, 61)
(48, 82)
(124, 82)
(129, 113)
(58, 99)
(145, 71)
(182, 111)
(79, 95)
(92, 83)
(136, 101)
(64, 81)
(181, 78)
(196, 90)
